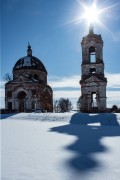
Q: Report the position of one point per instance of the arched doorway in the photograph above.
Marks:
(21, 98)
(94, 102)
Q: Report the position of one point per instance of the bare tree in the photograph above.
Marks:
(55, 106)
(114, 108)
(8, 77)
(64, 105)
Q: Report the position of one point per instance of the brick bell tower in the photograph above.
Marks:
(93, 82)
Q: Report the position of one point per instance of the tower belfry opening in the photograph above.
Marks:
(92, 54)
(93, 82)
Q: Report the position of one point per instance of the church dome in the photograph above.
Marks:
(29, 62)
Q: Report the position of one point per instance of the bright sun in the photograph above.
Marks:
(91, 14)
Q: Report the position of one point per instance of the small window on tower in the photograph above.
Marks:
(92, 70)
(92, 54)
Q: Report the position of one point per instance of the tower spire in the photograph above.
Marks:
(91, 29)
(29, 51)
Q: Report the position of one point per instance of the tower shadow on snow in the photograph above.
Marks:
(88, 141)
(5, 116)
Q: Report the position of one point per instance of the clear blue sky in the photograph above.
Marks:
(55, 39)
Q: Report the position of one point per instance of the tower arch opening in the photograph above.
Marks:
(92, 54)
(94, 100)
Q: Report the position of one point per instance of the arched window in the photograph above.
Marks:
(92, 54)
(21, 95)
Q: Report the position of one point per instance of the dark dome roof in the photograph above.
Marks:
(29, 62)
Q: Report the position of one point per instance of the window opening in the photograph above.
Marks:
(92, 70)
(92, 54)
(94, 100)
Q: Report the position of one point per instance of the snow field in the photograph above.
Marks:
(60, 147)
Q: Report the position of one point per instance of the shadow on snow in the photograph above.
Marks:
(88, 141)
(4, 116)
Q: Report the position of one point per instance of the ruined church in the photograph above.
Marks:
(93, 82)
(28, 91)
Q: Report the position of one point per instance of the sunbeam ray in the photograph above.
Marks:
(95, 13)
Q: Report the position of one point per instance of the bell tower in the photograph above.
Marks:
(93, 82)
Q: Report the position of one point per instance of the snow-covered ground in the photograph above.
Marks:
(66, 146)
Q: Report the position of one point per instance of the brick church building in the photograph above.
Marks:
(28, 91)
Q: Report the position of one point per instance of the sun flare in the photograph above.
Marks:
(95, 14)
(91, 14)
